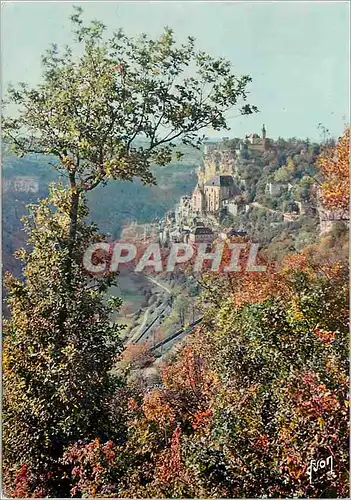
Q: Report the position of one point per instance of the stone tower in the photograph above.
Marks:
(263, 133)
(264, 139)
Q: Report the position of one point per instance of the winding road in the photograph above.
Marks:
(141, 327)
(168, 290)
(138, 333)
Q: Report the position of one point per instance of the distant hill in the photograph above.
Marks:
(25, 180)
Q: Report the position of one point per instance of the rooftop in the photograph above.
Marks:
(237, 232)
(221, 180)
(202, 230)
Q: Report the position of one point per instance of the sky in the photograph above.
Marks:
(297, 53)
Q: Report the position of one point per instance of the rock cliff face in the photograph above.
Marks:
(218, 167)
(218, 162)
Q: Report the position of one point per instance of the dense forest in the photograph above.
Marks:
(254, 401)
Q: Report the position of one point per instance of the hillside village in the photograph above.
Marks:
(248, 185)
(258, 188)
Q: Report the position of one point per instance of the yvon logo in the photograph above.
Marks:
(318, 465)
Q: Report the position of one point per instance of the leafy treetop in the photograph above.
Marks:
(91, 110)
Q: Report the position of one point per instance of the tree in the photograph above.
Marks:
(136, 356)
(255, 394)
(280, 366)
(302, 190)
(109, 113)
(120, 106)
(181, 306)
(58, 352)
(285, 173)
(334, 163)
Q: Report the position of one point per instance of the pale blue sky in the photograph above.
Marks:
(296, 52)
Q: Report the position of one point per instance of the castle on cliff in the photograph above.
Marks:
(254, 142)
(216, 188)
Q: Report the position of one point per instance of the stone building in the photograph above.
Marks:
(277, 188)
(217, 189)
(209, 147)
(216, 174)
(254, 142)
(209, 197)
(198, 200)
(231, 206)
(184, 209)
(201, 235)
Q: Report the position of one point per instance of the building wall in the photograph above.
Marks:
(232, 208)
(260, 146)
(201, 238)
(275, 188)
(198, 201)
(214, 195)
(213, 198)
(210, 147)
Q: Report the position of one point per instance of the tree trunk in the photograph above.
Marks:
(73, 216)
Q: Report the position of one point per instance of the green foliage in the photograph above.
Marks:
(259, 391)
(274, 181)
(120, 202)
(59, 344)
(302, 191)
(285, 161)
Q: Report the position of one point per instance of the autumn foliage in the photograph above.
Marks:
(334, 163)
(255, 394)
(241, 408)
(136, 356)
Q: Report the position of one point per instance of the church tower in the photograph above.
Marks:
(263, 133)
(264, 140)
